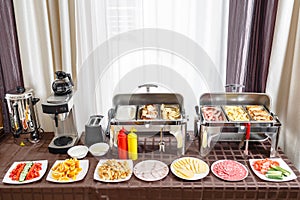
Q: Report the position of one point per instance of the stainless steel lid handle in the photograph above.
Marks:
(147, 86)
(234, 87)
(111, 115)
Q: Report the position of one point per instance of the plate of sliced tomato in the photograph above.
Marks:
(25, 172)
(272, 169)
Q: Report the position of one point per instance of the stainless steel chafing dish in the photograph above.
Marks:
(130, 110)
(224, 128)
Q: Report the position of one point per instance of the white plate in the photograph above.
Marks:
(151, 170)
(84, 164)
(97, 177)
(8, 180)
(231, 167)
(196, 176)
(282, 164)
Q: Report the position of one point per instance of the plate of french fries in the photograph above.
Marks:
(189, 168)
(67, 171)
(113, 170)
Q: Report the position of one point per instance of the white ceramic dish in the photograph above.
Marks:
(78, 151)
(151, 170)
(97, 177)
(99, 149)
(229, 170)
(196, 176)
(84, 164)
(282, 164)
(8, 180)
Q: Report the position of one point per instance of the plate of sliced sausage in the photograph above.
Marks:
(229, 170)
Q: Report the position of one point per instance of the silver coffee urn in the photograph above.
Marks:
(23, 119)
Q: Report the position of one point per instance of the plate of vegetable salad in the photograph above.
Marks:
(272, 169)
(25, 172)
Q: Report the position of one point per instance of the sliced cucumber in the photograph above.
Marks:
(278, 168)
(272, 176)
(25, 171)
(278, 173)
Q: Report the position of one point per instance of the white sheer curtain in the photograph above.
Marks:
(112, 46)
(178, 45)
(283, 81)
(46, 39)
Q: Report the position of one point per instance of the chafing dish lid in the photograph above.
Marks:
(148, 98)
(233, 98)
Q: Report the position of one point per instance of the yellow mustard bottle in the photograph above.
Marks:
(132, 144)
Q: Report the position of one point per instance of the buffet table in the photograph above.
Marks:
(170, 187)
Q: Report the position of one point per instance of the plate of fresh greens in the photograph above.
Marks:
(272, 169)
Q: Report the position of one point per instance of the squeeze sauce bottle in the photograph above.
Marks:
(122, 144)
(132, 145)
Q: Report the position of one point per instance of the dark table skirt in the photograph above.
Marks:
(170, 187)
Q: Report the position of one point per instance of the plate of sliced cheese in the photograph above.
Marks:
(189, 168)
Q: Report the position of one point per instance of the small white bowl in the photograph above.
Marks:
(78, 151)
(99, 149)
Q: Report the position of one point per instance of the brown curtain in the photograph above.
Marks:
(250, 36)
(10, 63)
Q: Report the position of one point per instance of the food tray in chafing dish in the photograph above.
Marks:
(170, 112)
(126, 112)
(148, 112)
(152, 112)
(259, 113)
(213, 113)
(236, 114)
(154, 107)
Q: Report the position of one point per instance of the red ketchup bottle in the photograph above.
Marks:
(122, 144)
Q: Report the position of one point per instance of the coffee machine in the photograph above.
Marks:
(60, 107)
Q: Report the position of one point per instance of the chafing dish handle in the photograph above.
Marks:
(111, 115)
(234, 87)
(196, 121)
(147, 86)
(277, 122)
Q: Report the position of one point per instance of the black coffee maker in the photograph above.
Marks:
(59, 106)
(63, 84)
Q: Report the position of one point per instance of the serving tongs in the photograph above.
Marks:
(161, 142)
(247, 137)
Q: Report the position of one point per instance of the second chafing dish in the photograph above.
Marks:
(254, 107)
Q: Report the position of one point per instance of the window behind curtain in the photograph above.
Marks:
(197, 31)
